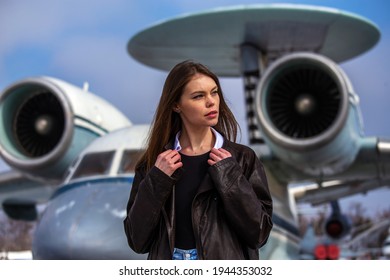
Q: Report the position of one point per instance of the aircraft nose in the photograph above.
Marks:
(85, 221)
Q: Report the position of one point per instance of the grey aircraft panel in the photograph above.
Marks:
(214, 37)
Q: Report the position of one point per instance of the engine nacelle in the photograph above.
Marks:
(309, 113)
(337, 225)
(46, 122)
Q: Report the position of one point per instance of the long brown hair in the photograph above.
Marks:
(166, 123)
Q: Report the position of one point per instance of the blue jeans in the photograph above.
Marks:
(180, 254)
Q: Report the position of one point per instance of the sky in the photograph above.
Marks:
(85, 41)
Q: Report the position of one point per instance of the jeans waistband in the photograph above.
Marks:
(180, 254)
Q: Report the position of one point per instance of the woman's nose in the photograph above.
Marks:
(210, 101)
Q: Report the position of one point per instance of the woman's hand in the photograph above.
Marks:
(218, 155)
(169, 161)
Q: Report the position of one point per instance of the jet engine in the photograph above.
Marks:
(309, 113)
(46, 122)
(337, 225)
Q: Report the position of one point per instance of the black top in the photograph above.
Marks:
(194, 170)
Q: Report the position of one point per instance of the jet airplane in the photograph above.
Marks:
(78, 152)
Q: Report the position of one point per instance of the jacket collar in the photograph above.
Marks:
(218, 140)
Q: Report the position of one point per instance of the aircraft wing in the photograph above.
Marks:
(19, 194)
(13, 184)
(316, 194)
(368, 172)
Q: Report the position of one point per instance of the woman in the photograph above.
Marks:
(196, 194)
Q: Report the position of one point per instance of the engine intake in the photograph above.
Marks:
(303, 102)
(39, 124)
(305, 113)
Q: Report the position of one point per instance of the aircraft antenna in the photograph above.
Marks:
(86, 86)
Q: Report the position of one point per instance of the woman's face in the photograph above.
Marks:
(199, 103)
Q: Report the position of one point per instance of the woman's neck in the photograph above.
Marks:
(196, 142)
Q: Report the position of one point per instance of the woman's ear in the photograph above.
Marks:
(176, 109)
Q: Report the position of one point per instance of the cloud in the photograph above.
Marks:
(44, 25)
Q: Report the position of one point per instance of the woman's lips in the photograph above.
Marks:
(212, 114)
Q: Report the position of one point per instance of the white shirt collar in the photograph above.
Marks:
(218, 140)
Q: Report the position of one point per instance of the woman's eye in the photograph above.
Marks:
(197, 96)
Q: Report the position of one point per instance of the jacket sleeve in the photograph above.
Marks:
(246, 198)
(147, 197)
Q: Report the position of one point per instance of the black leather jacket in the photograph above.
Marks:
(231, 212)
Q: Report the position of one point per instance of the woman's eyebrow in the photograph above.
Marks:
(203, 91)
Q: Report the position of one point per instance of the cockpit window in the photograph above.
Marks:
(129, 160)
(94, 164)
